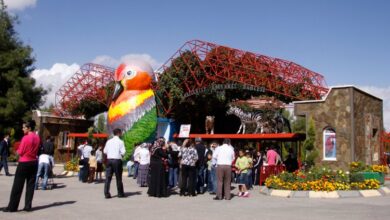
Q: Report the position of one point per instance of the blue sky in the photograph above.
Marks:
(347, 41)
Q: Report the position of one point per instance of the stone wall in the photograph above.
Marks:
(368, 124)
(335, 113)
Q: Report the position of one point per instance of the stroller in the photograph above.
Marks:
(50, 180)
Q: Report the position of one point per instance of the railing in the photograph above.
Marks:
(266, 171)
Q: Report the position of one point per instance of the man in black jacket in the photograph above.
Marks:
(200, 167)
(4, 153)
(48, 146)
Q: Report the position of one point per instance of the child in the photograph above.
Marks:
(129, 166)
(250, 173)
(92, 167)
(242, 165)
(99, 160)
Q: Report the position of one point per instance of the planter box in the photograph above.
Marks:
(374, 175)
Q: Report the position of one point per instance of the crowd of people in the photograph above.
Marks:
(192, 167)
(189, 168)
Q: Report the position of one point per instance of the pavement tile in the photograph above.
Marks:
(281, 193)
(315, 195)
(349, 194)
(370, 193)
(384, 190)
(300, 194)
(330, 195)
(264, 190)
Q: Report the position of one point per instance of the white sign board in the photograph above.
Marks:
(184, 131)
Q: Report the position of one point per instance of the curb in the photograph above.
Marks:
(71, 173)
(382, 191)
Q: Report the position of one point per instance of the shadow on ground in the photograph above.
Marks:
(127, 194)
(49, 205)
(52, 205)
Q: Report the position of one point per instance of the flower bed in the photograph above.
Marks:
(324, 179)
(72, 165)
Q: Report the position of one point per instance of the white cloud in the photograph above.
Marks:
(19, 4)
(114, 62)
(52, 79)
(384, 94)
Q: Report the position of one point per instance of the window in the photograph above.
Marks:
(64, 139)
(329, 144)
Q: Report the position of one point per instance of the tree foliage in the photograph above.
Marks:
(18, 92)
(93, 104)
(309, 145)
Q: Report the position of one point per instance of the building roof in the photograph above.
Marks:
(337, 87)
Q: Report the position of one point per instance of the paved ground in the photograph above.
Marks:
(74, 200)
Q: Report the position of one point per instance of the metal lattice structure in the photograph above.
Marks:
(88, 82)
(221, 64)
(385, 148)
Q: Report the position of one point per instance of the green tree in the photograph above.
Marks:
(299, 125)
(101, 124)
(18, 93)
(309, 146)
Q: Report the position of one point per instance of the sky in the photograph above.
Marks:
(347, 41)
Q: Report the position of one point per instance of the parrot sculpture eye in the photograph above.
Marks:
(131, 73)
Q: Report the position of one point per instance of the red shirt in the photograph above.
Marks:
(28, 148)
(271, 157)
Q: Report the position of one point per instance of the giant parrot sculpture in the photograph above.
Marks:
(133, 103)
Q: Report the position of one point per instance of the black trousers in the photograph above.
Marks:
(188, 179)
(4, 163)
(85, 170)
(25, 172)
(114, 166)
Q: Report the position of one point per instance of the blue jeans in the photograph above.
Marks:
(200, 179)
(173, 176)
(45, 167)
(136, 165)
(3, 163)
(249, 179)
(130, 170)
(212, 180)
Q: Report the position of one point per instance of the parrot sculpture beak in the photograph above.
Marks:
(117, 90)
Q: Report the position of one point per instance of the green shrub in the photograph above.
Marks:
(357, 177)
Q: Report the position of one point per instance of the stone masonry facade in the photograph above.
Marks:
(357, 119)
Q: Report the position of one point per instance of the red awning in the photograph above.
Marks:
(277, 136)
(85, 135)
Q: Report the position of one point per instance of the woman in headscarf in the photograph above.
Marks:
(158, 184)
(144, 160)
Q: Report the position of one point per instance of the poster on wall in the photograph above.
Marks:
(185, 131)
(329, 148)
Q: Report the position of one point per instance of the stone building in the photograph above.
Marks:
(348, 124)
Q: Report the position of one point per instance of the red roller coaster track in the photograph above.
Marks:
(88, 82)
(221, 64)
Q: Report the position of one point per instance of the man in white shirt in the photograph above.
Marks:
(45, 163)
(85, 151)
(114, 149)
(136, 160)
(224, 156)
